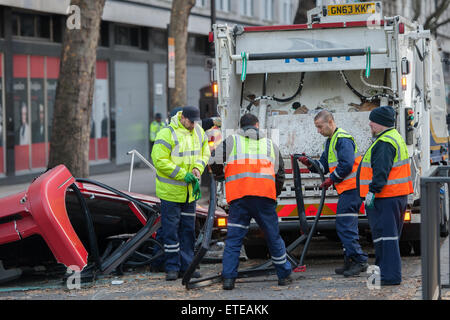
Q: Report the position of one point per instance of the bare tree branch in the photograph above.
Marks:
(435, 26)
(434, 17)
(417, 9)
(302, 9)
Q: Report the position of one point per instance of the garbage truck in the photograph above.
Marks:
(348, 59)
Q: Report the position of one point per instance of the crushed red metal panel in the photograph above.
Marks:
(42, 211)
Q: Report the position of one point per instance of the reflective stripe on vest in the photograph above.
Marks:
(399, 180)
(250, 169)
(348, 182)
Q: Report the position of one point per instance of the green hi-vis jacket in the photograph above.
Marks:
(155, 126)
(176, 152)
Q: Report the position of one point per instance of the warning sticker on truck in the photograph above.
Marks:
(346, 9)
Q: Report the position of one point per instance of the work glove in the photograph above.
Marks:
(196, 190)
(370, 200)
(305, 161)
(326, 184)
(190, 178)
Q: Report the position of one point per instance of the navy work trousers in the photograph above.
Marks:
(178, 234)
(263, 211)
(386, 222)
(348, 207)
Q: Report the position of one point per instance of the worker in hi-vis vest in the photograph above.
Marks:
(253, 170)
(155, 126)
(385, 182)
(341, 160)
(180, 155)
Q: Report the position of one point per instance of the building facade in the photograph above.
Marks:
(130, 85)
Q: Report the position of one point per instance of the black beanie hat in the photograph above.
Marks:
(384, 116)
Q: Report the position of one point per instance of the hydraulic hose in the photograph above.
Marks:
(362, 97)
(205, 236)
(299, 90)
(300, 202)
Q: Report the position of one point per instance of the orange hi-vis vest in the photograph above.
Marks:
(250, 169)
(399, 180)
(348, 182)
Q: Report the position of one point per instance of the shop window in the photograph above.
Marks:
(268, 10)
(32, 25)
(247, 8)
(136, 37)
(103, 40)
(52, 72)
(159, 38)
(34, 89)
(200, 3)
(38, 132)
(198, 44)
(99, 142)
(22, 150)
(57, 28)
(223, 5)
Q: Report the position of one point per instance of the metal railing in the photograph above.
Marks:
(430, 185)
(145, 161)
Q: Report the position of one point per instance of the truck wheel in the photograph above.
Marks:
(256, 251)
(405, 248)
(416, 247)
(444, 228)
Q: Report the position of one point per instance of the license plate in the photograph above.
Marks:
(347, 9)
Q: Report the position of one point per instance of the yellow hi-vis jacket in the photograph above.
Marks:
(176, 152)
(155, 126)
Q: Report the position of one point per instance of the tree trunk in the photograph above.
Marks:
(69, 144)
(302, 8)
(179, 17)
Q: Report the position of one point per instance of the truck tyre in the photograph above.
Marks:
(256, 251)
(444, 230)
(416, 247)
(405, 248)
(444, 227)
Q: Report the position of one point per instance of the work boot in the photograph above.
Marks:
(228, 284)
(385, 283)
(355, 269)
(171, 275)
(285, 281)
(345, 267)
